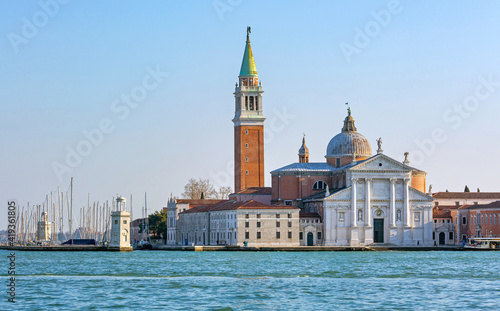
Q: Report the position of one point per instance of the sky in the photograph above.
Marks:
(129, 97)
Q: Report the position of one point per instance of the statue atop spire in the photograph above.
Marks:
(249, 31)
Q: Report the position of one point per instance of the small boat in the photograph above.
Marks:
(483, 243)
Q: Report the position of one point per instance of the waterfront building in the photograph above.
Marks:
(466, 221)
(240, 223)
(120, 225)
(362, 199)
(310, 229)
(174, 208)
(138, 230)
(464, 198)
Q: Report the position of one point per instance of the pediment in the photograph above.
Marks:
(416, 195)
(381, 162)
(341, 195)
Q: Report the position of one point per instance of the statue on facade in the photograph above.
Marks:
(379, 143)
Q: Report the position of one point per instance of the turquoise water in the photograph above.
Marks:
(254, 281)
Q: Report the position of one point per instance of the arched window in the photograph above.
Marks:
(319, 185)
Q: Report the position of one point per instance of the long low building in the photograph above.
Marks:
(239, 223)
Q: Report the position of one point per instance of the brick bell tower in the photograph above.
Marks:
(248, 125)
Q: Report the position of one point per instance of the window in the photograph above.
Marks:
(289, 224)
(448, 221)
(289, 234)
(433, 235)
(337, 162)
(247, 235)
(457, 203)
(258, 234)
(277, 215)
(258, 224)
(289, 202)
(319, 235)
(246, 172)
(278, 234)
(246, 159)
(435, 221)
(475, 203)
(436, 203)
(124, 222)
(416, 217)
(247, 216)
(116, 222)
(289, 215)
(258, 215)
(319, 185)
(277, 224)
(301, 235)
(246, 145)
(247, 224)
(464, 237)
(464, 220)
(246, 132)
(251, 102)
(450, 236)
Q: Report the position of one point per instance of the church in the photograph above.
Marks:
(353, 198)
(361, 198)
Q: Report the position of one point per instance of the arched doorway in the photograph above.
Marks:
(442, 238)
(310, 239)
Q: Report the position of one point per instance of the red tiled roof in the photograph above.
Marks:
(495, 204)
(309, 215)
(233, 205)
(441, 213)
(196, 202)
(467, 195)
(255, 191)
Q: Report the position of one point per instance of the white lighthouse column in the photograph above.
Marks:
(120, 227)
(354, 241)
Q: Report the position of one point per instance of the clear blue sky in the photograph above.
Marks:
(411, 76)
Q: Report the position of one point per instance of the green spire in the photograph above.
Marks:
(248, 65)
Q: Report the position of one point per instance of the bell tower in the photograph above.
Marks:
(248, 125)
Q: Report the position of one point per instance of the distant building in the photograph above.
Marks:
(311, 231)
(464, 198)
(138, 230)
(240, 223)
(465, 222)
(174, 208)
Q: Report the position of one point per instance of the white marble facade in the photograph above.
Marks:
(378, 206)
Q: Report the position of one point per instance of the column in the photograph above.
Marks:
(406, 202)
(327, 227)
(368, 210)
(353, 202)
(393, 201)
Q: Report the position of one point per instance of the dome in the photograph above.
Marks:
(349, 142)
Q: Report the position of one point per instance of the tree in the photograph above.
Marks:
(194, 189)
(158, 224)
(224, 192)
(478, 190)
(466, 189)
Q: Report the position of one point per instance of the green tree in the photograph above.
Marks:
(466, 189)
(158, 224)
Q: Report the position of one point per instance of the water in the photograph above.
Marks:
(255, 281)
